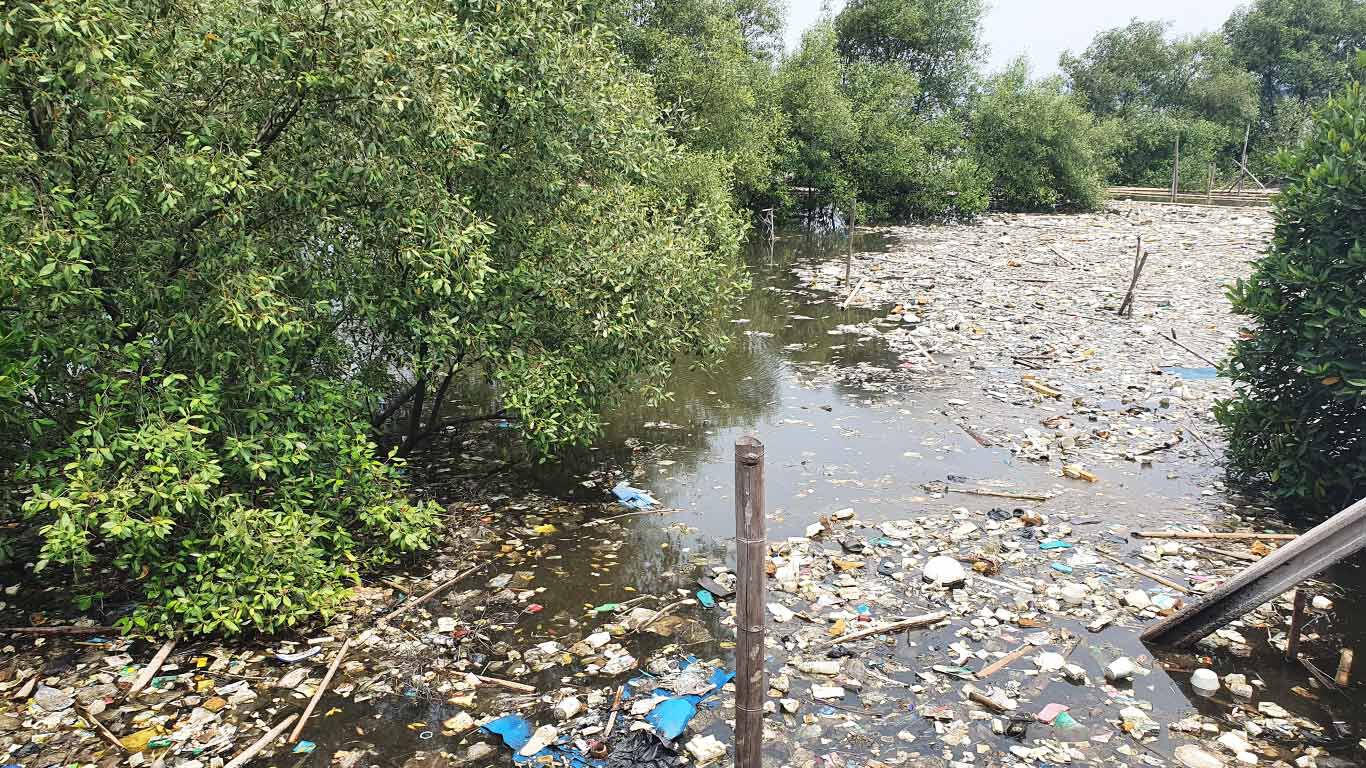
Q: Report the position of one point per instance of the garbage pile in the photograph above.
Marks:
(1021, 310)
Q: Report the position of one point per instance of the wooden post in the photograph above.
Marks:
(751, 549)
(1247, 131)
(1292, 642)
(1344, 675)
(1176, 169)
(1209, 187)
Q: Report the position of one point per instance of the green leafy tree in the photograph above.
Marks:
(1042, 149)
(823, 130)
(1301, 51)
(905, 165)
(1298, 418)
(712, 64)
(1157, 88)
(239, 242)
(937, 41)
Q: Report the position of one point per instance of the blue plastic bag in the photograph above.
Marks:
(634, 498)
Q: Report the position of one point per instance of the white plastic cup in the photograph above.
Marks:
(1205, 682)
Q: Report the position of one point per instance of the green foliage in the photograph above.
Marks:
(1158, 88)
(232, 229)
(821, 116)
(1147, 143)
(906, 165)
(937, 41)
(1298, 418)
(711, 64)
(1043, 151)
(1301, 51)
(858, 139)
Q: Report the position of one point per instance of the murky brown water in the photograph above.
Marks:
(843, 427)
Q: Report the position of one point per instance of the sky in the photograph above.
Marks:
(1043, 29)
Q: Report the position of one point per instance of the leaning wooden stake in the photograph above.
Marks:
(150, 671)
(322, 688)
(1341, 536)
(261, 743)
(751, 548)
(1140, 261)
(1292, 641)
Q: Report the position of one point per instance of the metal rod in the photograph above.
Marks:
(751, 548)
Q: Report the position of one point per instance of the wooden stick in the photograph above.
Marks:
(1148, 574)
(1172, 339)
(1226, 553)
(150, 671)
(1231, 536)
(853, 293)
(411, 604)
(1344, 675)
(104, 733)
(997, 494)
(914, 622)
(978, 697)
(318, 694)
(274, 733)
(1140, 259)
(58, 630)
(1004, 661)
(612, 718)
(659, 614)
(1292, 640)
(519, 687)
(602, 520)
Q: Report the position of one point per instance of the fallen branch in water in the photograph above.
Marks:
(411, 604)
(322, 688)
(1164, 581)
(912, 623)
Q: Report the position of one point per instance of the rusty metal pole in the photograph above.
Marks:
(1292, 640)
(751, 548)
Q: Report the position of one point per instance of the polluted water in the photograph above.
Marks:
(963, 441)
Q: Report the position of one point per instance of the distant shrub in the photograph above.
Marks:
(1298, 418)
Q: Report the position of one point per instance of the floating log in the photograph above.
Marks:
(1322, 546)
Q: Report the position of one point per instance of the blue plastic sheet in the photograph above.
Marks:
(634, 498)
(671, 716)
(515, 731)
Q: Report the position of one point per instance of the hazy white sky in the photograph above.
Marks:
(1043, 29)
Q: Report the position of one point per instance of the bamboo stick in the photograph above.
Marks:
(912, 623)
(411, 604)
(274, 733)
(150, 671)
(322, 688)
(1233, 536)
(1164, 581)
(1004, 661)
